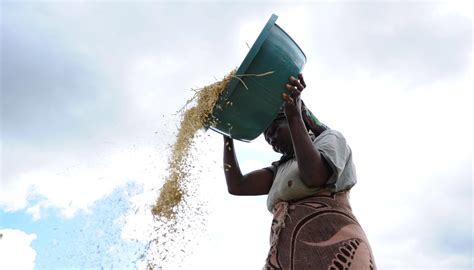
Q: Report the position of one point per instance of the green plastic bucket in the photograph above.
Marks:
(242, 113)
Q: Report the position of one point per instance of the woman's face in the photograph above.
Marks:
(279, 137)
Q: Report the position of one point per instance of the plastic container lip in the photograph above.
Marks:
(293, 41)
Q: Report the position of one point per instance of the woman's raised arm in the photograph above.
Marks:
(257, 182)
(313, 168)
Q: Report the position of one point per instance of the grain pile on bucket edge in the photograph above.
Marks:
(193, 119)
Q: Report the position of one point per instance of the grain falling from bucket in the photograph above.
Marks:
(177, 211)
(174, 190)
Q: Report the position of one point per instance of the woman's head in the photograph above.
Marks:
(278, 134)
(279, 137)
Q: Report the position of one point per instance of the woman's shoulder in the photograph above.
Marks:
(330, 133)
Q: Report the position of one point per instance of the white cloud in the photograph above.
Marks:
(412, 149)
(15, 250)
(70, 182)
(456, 8)
(35, 211)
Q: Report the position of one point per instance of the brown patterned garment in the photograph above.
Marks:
(319, 232)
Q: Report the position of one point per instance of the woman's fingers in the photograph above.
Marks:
(287, 98)
(300, 77)
(294, 87)
(297, 83)
(293, 90)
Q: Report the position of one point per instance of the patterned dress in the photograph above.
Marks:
(319, 232)
(314, 228)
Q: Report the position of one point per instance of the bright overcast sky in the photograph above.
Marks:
(89, 92)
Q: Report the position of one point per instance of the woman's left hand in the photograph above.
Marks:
(292, 104)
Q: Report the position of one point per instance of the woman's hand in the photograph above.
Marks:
(292, 104)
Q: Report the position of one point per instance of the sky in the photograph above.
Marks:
(90, 91)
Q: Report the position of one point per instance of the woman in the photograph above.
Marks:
(308, 191)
